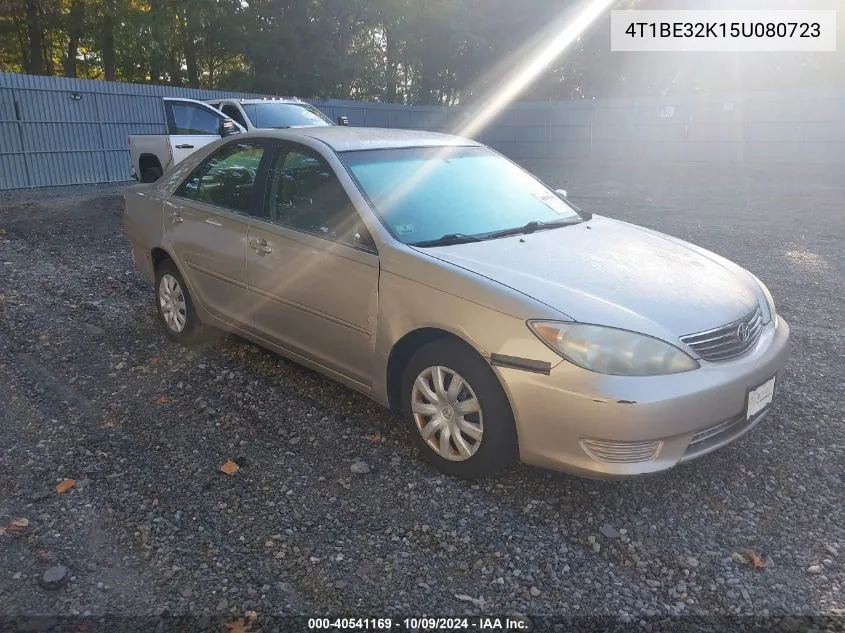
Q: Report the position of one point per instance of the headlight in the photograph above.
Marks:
(769, 311)
(610, 351)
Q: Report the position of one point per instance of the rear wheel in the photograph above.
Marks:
(175, 307)
(457, 412)
(151, 174)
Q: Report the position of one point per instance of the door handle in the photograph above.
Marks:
(184, 146)
(212, 222)
(260, 245)
(176, 218)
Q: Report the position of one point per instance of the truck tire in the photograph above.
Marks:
(151, 174)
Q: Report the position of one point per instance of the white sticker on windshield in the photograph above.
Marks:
(404, 229)
(554, 203)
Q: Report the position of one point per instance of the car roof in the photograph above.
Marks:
(346, 139)
(263, 100)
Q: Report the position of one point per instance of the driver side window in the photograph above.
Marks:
(304, 193)
(192, 120)
(233, 113)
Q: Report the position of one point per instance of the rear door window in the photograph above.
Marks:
(227, 178)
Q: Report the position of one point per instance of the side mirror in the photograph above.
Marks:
(561, 192)
(228, 128)
(342, 120)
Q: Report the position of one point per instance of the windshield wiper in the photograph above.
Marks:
(534, 225)
(461, 238)
(445, 240)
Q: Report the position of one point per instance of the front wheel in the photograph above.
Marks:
(457, 411)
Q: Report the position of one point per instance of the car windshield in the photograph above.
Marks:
(282, 115)
(424, 194)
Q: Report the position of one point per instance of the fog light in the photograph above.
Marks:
(621, 452)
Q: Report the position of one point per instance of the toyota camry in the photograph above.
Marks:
(432, 274)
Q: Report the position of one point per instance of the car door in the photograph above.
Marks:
(206, 224)
(312, 266)
(233, 112)
(191, 124)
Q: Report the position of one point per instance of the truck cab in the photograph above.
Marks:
(191, 124)
(271, 113)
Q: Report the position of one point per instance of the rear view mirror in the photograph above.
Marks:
(342, 120)
(228, 128)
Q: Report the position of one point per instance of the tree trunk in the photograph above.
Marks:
(175, 68)
(75, 25)
(36, 38)
(47, 47)
(212, 69)
(190, 45)
(154, 56)
(346, 27)
(23, 44)
(390, 65)
(426, 87)
(107, 41)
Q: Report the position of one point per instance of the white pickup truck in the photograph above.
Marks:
(191, 124)
(272, 113)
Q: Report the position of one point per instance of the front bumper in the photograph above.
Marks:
(604, 426)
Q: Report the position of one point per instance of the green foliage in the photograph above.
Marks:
(406, 51)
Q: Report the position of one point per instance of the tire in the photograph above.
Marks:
(496, 445)
(176, 308)
(151, 174)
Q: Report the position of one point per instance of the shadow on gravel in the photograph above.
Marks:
(332, 509)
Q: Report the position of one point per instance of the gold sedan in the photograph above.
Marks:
(439, 278)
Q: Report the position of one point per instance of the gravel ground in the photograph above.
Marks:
(90, 389)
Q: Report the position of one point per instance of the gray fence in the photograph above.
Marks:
(58, 131)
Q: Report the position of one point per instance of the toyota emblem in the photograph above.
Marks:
(742, 332)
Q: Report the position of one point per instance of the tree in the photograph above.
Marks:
(34, 57)
(107, 26)
(406, 51)
(75, 26)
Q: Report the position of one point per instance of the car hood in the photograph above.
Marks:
(612, 273)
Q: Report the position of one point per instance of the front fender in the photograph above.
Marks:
(407, 305)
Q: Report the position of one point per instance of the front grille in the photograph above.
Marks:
(621, 452)
(724, 433)
(729, 340)
(714, 431)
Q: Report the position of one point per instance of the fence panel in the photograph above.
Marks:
(56, 131)
(13, 173)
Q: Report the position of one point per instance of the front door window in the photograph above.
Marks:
(191, 119)
(305, 194)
